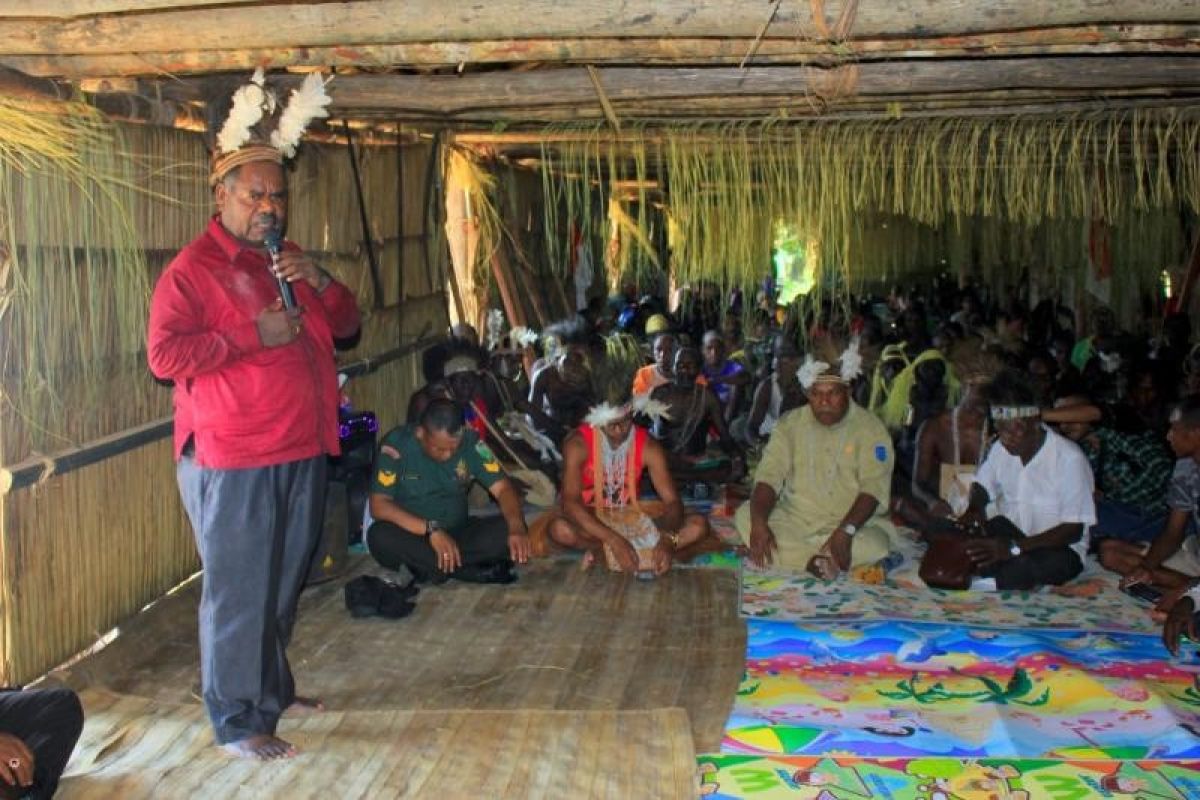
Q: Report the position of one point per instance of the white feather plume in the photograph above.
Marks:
(522, 336)
(495, 327)
(249, 103)
(809, 371)
(304, 105)
(654, 409)
(1109, 362)
(601, 415)
(852, 361)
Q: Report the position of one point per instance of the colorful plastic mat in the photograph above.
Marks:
(890, 689)
(800, 778)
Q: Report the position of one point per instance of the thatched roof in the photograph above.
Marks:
(515, 64)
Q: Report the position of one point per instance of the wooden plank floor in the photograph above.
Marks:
(559, 639)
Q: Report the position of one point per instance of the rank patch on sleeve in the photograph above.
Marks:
(386, 478)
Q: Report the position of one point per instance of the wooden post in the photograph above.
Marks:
(364, 221)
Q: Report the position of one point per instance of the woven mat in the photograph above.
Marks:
(137, 748)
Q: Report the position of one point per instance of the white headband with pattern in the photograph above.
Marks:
(1015, 412)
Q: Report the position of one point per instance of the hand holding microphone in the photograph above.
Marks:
(274, 244)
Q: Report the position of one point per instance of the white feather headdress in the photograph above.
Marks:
(495, 327)
(521, 336)
(605, 413)
(250, 103)
(241, 137)
(654, 409)
(851, 362)
(304, 105)
(809, 371)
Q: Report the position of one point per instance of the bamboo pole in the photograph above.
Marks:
(483, 93)
(1076, 40)
(72, 9)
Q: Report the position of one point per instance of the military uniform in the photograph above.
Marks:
(435, 490)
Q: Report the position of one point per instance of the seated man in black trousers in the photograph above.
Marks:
(38, 731)
(419, 503)
(1041, 487)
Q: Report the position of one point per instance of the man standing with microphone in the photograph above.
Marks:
(256, 405)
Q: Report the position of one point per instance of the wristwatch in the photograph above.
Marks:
(1014, 550)
(431, 525)
(849, 527)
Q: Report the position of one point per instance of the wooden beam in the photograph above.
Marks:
(527, 143)
(1091, 39)
(798, 109)
(71, 9)
(347, 24)
(116, 105)
(477, 93)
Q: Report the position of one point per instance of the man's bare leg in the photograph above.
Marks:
(1124, 557)
(1121, 557)
(566, 534)
(697, 537)
(261, 747)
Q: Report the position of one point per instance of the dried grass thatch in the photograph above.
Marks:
(1003, 191)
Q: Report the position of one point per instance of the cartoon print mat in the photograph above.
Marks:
(890, 689)
(799, 778)
(1092, 602)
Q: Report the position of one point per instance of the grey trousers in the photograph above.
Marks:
(256, 530)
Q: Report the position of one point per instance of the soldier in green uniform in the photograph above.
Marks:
(419, 503)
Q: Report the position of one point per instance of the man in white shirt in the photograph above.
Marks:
(1039, 486)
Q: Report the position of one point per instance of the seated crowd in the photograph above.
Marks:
(1026, 445)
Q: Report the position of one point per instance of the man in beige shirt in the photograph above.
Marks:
(822, 488)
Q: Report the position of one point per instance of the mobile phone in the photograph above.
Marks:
(1143, 591)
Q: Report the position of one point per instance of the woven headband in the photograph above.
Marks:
(228, 162)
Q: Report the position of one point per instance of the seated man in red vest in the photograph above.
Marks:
(603, 463)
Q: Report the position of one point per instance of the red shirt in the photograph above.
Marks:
(246, 405)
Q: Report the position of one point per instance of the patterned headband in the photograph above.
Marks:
(1015, 412)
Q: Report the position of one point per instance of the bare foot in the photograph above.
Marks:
(262, 747)
(591, 557)
(305, 705)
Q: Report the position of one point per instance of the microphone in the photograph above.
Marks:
(274, 245)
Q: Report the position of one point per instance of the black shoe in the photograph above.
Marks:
(489, 572)
(422, 576)
(367, 596)
(394, 602)
(362, 596)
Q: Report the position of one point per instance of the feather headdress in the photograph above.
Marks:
(520, 336)
(242, 137)
(849, 365)
(495, 327)
(604, 413)
(654, 409)
(250, 103)
(809, 370)
(852, 361)
(304, 105)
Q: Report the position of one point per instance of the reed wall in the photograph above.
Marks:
(80, 249)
